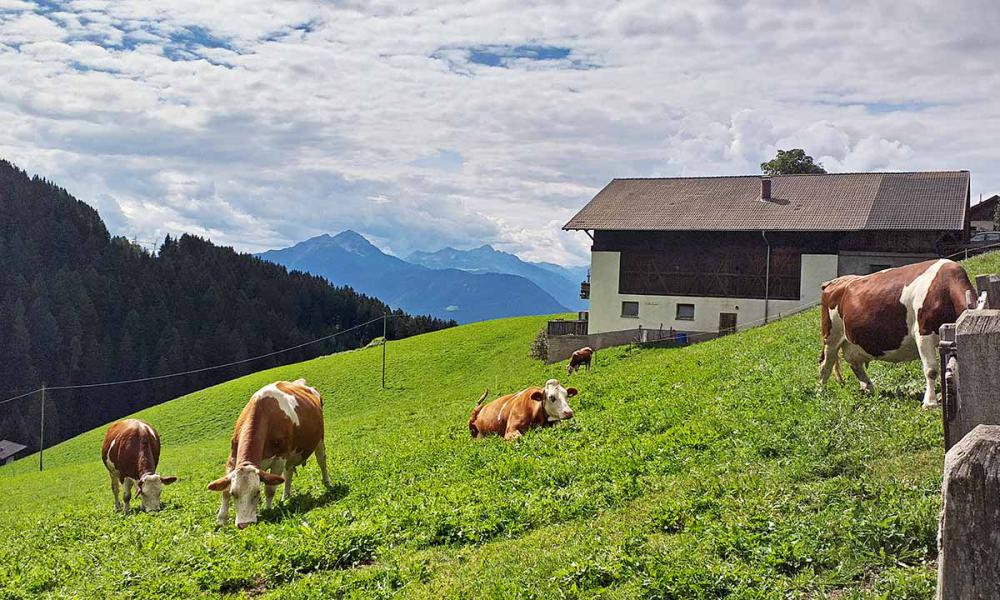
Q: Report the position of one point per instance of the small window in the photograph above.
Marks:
(630, 309)
(993, 237)
(979, 237)
(685, 312)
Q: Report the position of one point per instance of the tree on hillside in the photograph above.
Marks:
(791, 162)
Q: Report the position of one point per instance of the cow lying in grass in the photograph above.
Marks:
(279, 428)
(131, 452)
(514, 414)
(893, 315)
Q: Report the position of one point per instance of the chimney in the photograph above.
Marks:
(765, 189)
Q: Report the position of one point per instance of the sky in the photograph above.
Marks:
(431, 124)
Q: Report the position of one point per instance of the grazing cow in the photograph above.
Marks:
(279, 428)
(131, 451)
(581, 357)
(893, 315)
(512, 415)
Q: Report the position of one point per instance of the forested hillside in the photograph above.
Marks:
(79, 306)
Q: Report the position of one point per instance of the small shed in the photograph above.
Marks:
(8, 450)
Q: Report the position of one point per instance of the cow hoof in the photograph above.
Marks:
(929, 405)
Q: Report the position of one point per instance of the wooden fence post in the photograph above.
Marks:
(977, 354)
(991, 285)
(968, 542)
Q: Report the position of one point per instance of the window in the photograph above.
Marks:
(993, 237)
(685, 312)
(630, 309)
(979, 237)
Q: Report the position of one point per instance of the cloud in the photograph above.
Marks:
(260, 123)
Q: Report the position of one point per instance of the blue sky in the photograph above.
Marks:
(425, 124)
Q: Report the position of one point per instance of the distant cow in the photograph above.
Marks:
(279, 428)
(131, 452)
(893, 315)
(581, 357)
(512, 415)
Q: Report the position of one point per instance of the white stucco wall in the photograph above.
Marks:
(660, 311)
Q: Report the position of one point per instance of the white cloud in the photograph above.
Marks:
(262, 123)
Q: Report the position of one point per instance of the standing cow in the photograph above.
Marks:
(131, 452)
(893, 315)
(514, 414)
(580, 358)
(279, 428)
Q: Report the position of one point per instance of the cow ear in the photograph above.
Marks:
(270, 478)
(570, 392)
(537, 395)
(219, 484)
(168, 480)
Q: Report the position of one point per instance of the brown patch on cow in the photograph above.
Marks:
(945, 299)
(133, 447)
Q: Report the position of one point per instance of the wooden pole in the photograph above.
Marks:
(41, 434)
(968, 549)
(385, 340)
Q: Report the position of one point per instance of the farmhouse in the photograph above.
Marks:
(713, 254)
(981, 215)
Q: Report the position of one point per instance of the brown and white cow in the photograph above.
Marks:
(580, 358)
(279, 428)
(892, 315)
(131, 452)
(514, 414)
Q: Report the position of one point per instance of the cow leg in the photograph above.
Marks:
(127, 489)
(512, 434)
(865, 382)
(927, 347)
(831, 346)
(276, 469)
(321, 461)
(115, 489)
(223, 517)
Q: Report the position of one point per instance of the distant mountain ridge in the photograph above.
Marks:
(561, 283)
(348, 258)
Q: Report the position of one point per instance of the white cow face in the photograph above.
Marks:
(554, 400)
(243, 484)
(149, 488)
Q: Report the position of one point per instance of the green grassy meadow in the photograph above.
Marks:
(713, 471)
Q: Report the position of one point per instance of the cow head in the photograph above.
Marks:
(554, 400)
(243, 484)
(149, 488)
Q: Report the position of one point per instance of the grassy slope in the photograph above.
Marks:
(704, 472)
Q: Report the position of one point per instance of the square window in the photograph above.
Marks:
(685, 312)
(630, 309)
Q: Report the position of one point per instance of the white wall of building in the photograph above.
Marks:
(661, 311)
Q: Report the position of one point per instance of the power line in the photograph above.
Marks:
(193, 371)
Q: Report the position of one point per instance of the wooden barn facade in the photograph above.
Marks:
(714, 254)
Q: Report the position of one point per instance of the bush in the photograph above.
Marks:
(540, 346)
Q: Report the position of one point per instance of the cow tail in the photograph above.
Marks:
(473, 430)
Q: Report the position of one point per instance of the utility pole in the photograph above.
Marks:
(41, 433)
(385, 340)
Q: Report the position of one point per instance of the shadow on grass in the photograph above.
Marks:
(303, 503)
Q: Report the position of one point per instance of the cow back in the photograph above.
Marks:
(131, 446)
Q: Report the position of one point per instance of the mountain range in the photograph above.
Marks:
(466, 286)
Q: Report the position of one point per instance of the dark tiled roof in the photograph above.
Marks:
(9, 448)
(833, 202)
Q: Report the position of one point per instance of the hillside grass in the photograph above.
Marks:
(717, 470)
